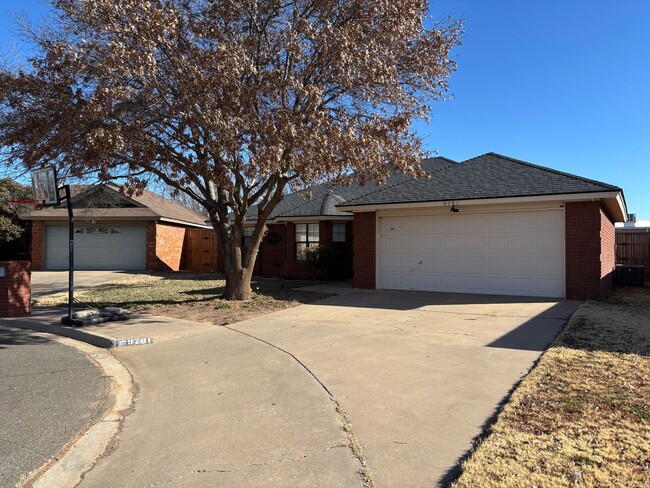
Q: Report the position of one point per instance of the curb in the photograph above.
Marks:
(92, 338)
(80, 455)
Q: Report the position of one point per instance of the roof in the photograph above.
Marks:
(325, 200)
(488, 176)
(105, 201)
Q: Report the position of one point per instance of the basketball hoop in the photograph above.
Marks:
(35, 203)
(44, 186)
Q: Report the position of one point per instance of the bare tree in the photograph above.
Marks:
(231, 102)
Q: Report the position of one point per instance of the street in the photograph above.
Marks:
(49, 393)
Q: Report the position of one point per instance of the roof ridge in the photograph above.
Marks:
(114, 187)
(549, 170)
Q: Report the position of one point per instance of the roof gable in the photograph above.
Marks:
(107, 202)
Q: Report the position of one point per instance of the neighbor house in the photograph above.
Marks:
(491, 224)
(112, 231)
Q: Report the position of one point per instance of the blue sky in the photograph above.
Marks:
(564, 84)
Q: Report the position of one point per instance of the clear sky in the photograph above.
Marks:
(560, 83)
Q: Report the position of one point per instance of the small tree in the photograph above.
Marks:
(14, 232)
(231, 102)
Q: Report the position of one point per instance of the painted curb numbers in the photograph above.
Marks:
(133, 342)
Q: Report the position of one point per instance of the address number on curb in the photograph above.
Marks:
(133, 342)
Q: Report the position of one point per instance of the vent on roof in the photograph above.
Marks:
(631, 218)
(630, 274)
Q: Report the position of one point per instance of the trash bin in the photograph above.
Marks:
(15, 288)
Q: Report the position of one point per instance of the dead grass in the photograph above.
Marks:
(190, 297)
(582, 416)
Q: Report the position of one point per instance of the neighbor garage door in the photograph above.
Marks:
(505, 253)
(119, 247)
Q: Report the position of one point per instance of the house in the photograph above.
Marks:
(112, 231)
(491, 224)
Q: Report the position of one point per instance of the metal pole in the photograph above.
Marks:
(70, 252)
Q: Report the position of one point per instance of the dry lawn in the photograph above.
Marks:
(190, 297)
(582, 416)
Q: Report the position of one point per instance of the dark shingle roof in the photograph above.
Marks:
(106, 202)
(488, 176)
(326, 196)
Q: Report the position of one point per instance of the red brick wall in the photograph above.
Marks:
(365, 242)
(15, 289)
(607, 253)
(37, 245)
(271, 257)
(279, 260)
(164, 246)
(589, 241)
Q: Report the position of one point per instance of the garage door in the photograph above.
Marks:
(506, 253)
(118, 247)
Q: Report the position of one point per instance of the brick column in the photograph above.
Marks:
(589, 260)
(364, 245)
(15, 289)
(38, 239)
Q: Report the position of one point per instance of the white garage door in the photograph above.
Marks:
(507, 253)
(118, 247)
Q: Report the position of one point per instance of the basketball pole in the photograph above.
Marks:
(68, 200)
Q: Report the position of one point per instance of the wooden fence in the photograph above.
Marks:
(633, 248)
(200, 250)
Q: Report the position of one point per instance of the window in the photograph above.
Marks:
(246, 237)
(96, 230)
(306, 236)
(338, 232)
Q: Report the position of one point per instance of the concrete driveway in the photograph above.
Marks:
(419, 374)
(46, 282)
(413, 376)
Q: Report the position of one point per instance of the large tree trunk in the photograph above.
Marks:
(238, 262)
(238, 284)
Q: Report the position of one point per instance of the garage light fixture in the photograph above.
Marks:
(454, 209)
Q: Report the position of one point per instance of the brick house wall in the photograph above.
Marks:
(607, 252)
(38, 249)
(164, 246)
(365, 252)
(271, 257)
(589, 251)
(279, 260)
(15, 289)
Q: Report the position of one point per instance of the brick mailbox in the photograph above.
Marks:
(15, 288)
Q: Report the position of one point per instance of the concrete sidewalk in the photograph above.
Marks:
(106, 335)
(217, 409)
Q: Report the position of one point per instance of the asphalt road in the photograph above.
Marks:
(49, 392)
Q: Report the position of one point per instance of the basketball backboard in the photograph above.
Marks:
(44, 186)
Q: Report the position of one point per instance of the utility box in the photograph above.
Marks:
(630, 274)
(15, 288)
